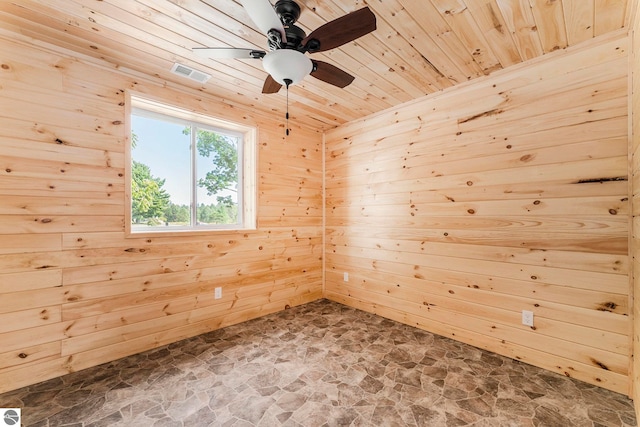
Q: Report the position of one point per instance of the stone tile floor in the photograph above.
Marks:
(321, 364)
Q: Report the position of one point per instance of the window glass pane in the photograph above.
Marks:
(189, 171)
(217, 178)
(160, 173)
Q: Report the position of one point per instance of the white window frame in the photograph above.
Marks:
(247, 153)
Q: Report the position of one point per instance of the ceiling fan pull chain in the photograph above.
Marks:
(287, 82)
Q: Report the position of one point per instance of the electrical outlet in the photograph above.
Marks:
(346, 276)
(527, 317)
(217, 293)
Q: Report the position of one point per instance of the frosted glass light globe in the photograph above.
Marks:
(287, 64)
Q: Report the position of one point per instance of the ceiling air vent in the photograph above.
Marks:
(186, 71)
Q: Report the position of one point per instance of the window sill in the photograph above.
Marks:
(180, 233)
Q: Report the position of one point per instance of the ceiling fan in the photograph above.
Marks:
(286, 61)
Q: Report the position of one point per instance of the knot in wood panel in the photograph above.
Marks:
(479, 115)
(608, 306)
(600, 364)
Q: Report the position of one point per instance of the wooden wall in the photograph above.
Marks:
(634, 154)
(74, 291)
(456, 212)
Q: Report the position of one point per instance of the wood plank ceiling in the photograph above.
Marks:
(419, 47)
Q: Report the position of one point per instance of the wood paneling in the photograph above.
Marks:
(456, 212)
(634, 188)
(74, 290)
(419, 47)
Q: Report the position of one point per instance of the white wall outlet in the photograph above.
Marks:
(346, 276)
(527, 317)
(217, 293)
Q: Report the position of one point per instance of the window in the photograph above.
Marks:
(188, 171)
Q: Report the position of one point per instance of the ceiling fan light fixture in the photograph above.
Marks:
(287, 64)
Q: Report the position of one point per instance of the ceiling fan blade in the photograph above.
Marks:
(228, 53)
(340, 31)
(270, 85)
(264, 16)
(331, 74)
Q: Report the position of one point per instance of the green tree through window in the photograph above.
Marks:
(223, 152)
(148, 199)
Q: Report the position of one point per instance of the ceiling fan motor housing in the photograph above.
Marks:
(294, 34)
